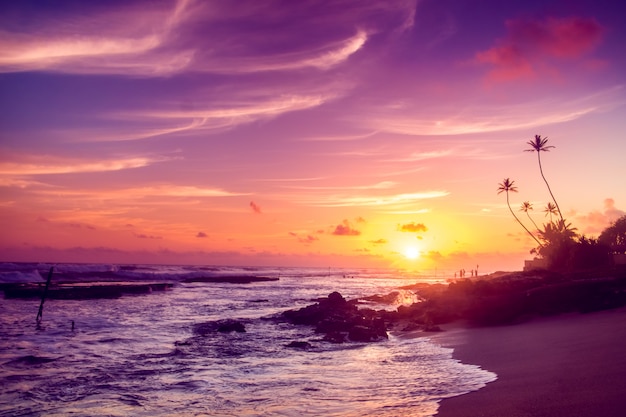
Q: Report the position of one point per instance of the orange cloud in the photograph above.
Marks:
(304, 239)
(378, 241)
(412, 227)
(345, 229)
(596, 221)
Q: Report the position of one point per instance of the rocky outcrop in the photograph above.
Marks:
(340, 320)
(219, 326)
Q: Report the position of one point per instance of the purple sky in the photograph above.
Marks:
(304, 132)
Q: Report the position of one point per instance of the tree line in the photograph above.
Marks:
(557, 240)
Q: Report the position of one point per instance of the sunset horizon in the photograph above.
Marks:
(313, 134)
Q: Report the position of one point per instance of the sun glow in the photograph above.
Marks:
(411, 252)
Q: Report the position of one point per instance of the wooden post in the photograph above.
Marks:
(43, 296)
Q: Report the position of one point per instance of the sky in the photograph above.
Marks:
(337, 133)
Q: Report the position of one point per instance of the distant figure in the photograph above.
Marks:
(455, 275)
(72, 325)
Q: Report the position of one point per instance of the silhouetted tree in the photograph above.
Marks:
(558, 243)
(614, 236)
(589, 253)
(540, 145)
(507, 186)
(550, 210)
(526, 207)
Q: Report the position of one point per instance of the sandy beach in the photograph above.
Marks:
(570, 365)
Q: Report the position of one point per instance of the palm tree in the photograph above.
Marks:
(526, 207)
(540, 145)
(507, 186)
(550, 210)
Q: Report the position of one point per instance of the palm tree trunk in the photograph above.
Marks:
(531, 219)
(548, 185)
(519, 221)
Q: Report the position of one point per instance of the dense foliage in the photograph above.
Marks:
(614, 236)
(558, 242)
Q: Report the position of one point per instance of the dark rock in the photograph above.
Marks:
(221, 326)
(231, 326)
(339, 320)
(297, 344)
(335, 337)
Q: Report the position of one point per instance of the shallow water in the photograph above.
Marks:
(138, 355)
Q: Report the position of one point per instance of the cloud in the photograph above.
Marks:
(345, 229)
(596, 221)
(255, 208)
(460, 120)
(375, 200)
(412, 227)
(531, 44)
(202, 235)
(144, 236)
(166, 190)
(220, 37)
(378, 242)
(100, 42)
(46, 165)
(304, 238)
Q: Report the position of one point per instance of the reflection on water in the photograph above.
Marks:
(137, 356)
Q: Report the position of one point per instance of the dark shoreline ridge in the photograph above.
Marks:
(83, 290)
(507, 298)
(496, 299)
(89, 290)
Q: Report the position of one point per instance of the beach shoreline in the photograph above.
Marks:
(567, 365)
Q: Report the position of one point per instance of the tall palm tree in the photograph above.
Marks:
(550, 210)
(540, 145)
(526, 207)
(508, 186)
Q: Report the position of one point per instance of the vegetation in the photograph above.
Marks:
(558, 243)
(614, 236)
(541, 145)
(526, 208)
(507, 186)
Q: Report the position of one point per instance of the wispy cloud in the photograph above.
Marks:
(43, 165)
(490, 118)
(98, 42)
(372, 200)
(167, 190)
(205, 36)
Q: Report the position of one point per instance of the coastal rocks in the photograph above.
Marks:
(339, 320)
(219, 326)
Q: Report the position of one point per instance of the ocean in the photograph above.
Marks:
(137, 355)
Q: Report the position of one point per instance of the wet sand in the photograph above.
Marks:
(567, 366)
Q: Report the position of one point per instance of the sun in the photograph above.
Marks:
(411, 252)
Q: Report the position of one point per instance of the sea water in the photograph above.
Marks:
(138, 355)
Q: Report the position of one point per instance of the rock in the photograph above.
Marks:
(369, 331)
(221, 326)
(297, 344)
(231, 326)
(340, 320)
(335, 337)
